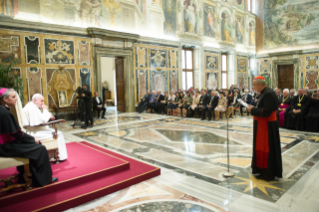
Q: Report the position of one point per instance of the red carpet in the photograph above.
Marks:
(90, 172)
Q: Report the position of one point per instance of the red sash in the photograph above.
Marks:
(262, 145)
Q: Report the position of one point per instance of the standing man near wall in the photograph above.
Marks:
(266, 159)
(87, 96)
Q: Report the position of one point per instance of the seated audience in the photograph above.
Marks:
(296, 118)
(98, 105)
(284, 105)
(313, 115)
(144, 101)
(201, 104)
(233, 103)
(212, 102)
(174, 104)
(187, 101)
(151, 102)
(195, 102)
(15, 143)
(307, 93)
(222, 105)
(178, 110)
(170, 105)
(163, 104)
(158, 100)
(246, 97)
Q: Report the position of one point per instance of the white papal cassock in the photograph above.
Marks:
(36, 117)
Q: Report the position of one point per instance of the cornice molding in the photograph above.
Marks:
(104, 33)
(29, 25)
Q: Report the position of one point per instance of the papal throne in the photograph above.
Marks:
(51, 145)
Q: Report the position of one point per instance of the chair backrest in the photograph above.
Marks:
(19, 115)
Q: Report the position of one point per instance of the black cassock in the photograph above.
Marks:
(298, 121)
(19, 144)
(266, 141)
(313, 117)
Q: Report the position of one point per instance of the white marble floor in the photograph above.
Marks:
(192, 179)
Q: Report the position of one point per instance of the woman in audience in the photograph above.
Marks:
(233, 104)
(221, 107)
(195, 102)
(313, 115)
(188, 99)
(175, 103)
(170, 105)
(178, 110)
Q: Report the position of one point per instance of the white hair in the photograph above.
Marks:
(286, 90)
(246, 89)
(36, 96)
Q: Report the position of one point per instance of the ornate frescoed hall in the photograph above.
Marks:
(159, 105)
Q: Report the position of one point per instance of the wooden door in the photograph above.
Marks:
(120, 84)
(286, 76)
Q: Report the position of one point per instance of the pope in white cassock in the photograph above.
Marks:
(36, 117)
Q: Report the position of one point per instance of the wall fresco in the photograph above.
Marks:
(290, 22)
(240, 30)
(170, 24)
(226, 28)
(141, 57)
(210, 21)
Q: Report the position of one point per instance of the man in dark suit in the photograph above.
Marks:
(211, 103)
(202, 102)
(158, 98)
(98, 105)
(246, 97)
(144, 101)
(87, 96)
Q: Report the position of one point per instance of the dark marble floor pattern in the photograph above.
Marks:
(243, 181)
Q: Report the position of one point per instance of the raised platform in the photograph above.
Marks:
(89, 173)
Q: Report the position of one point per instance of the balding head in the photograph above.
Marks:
(38, 100)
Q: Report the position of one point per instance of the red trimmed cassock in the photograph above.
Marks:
(266, 140)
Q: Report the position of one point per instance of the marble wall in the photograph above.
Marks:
(242, 71)
(49, 63)
(156, 67)
(306, 67)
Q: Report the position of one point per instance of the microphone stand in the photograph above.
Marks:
(228, 173)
